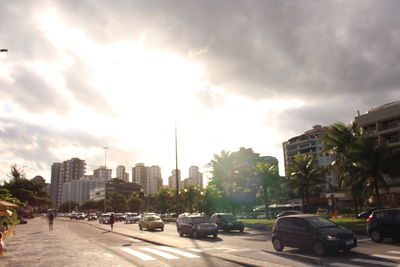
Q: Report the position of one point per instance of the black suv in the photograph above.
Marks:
(227, 222)
(195, 225)
(384, 223)
(310, 231)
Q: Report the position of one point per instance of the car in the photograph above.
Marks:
(92, 216)
(132, 218)
(196, 225)
(151, 222)
(80, 216)
(288, 212)
(227, 222)
(310, 231)
(119, 217)
(105, 219)
(384, 223)
(72, 216)
(365, 214)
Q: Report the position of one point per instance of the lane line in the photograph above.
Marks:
(160, 253)
(386, 256)
(179, 252)
(340, 264)
(394, 251)
(375, 262)
(138, 254)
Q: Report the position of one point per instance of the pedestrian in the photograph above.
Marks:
(50, 218)
(4, 227)
(2, 246)
(112, 221)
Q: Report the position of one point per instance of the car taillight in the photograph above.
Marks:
(369, 218)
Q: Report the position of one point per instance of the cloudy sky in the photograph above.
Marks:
(81, 75)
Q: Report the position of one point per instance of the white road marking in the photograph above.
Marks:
(375, 262)
(138, 254)
(225, 249)
(159, 253)
(394, 251)
(195, 249)
(179, 252)
(340, 264)
(386, 256)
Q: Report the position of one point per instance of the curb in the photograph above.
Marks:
(310, 259)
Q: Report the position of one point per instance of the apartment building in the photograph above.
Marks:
(122, 174)
(104, 190)
(195, 177)
(153, 181)
(102, 173)
(309, 143)
(172, 179)
(79, 190)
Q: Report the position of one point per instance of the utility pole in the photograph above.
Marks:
(176, 172)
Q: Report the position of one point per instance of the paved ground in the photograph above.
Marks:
(34, 245)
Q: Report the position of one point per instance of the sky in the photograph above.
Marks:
(82, 75)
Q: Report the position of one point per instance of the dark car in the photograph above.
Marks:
(288, 212)
(227, 222)
(105, 219)
(196, 226)
(310, 231)
(384, 223)
(365, 214)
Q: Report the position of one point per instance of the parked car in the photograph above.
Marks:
(384, 223)
(365, 214)
(105, 219)
(227, 222)
(92, 216)
(72, 216)
(288, 212)
(151, 222)
(132, 218)
(196, 226)
(309, 231)
(119, 217)
(80, 216)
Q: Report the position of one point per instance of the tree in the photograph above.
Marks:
(166, 200)
(117, 203)
(304, 175)
(27, 191)
(89, 205)
(134, 202)
(271, 182)
(69, 206)
(190, 196)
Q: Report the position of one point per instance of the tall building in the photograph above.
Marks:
(121, 174)
(139, 175)
(106, 189)
(102, 173)
(153, 181)
(383, 122)
(195, 176)
(172, 179)
(309, 143)
(67, 171)
(79, 190)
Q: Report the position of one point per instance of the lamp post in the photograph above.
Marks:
(176, 172)
(105, 157)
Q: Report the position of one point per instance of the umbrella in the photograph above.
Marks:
(6, 213)
(7, 205)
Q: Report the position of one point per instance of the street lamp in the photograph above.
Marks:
(176, 172)
(105, 157)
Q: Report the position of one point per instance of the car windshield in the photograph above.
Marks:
(229, 217)
(320, 222)
(152, 218)
(105, 216)
(201, 219)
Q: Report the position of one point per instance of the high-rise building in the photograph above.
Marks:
(309, 143)
(196, 176)
(383, 122)
(172, 179)
(106, 189)
(121, 174)
(67, 171)
(79, 190)
(154, 180)
(102, 173)
(139, 173)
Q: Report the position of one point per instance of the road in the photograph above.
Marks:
(77, 243)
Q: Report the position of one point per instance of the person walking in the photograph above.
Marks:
(112, 221)
(50, 218)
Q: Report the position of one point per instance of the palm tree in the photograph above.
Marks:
(374, 162)
(270, 180)
(304, 176)
(190, 196)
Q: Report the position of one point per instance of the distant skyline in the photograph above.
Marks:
(82, 75)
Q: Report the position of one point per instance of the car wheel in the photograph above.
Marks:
(241, 230)
(180, 232)
(215, 235)
(319, 248)
(140, 228)
(277, 243)
(376, 236)
(195, 234)
(162, 229)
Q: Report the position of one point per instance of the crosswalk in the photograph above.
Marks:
(391, 259)
(150, 253)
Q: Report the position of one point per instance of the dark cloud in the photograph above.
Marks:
(31, 92)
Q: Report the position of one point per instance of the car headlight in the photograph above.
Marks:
(331, 237)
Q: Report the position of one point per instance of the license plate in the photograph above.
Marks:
(349, 242)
